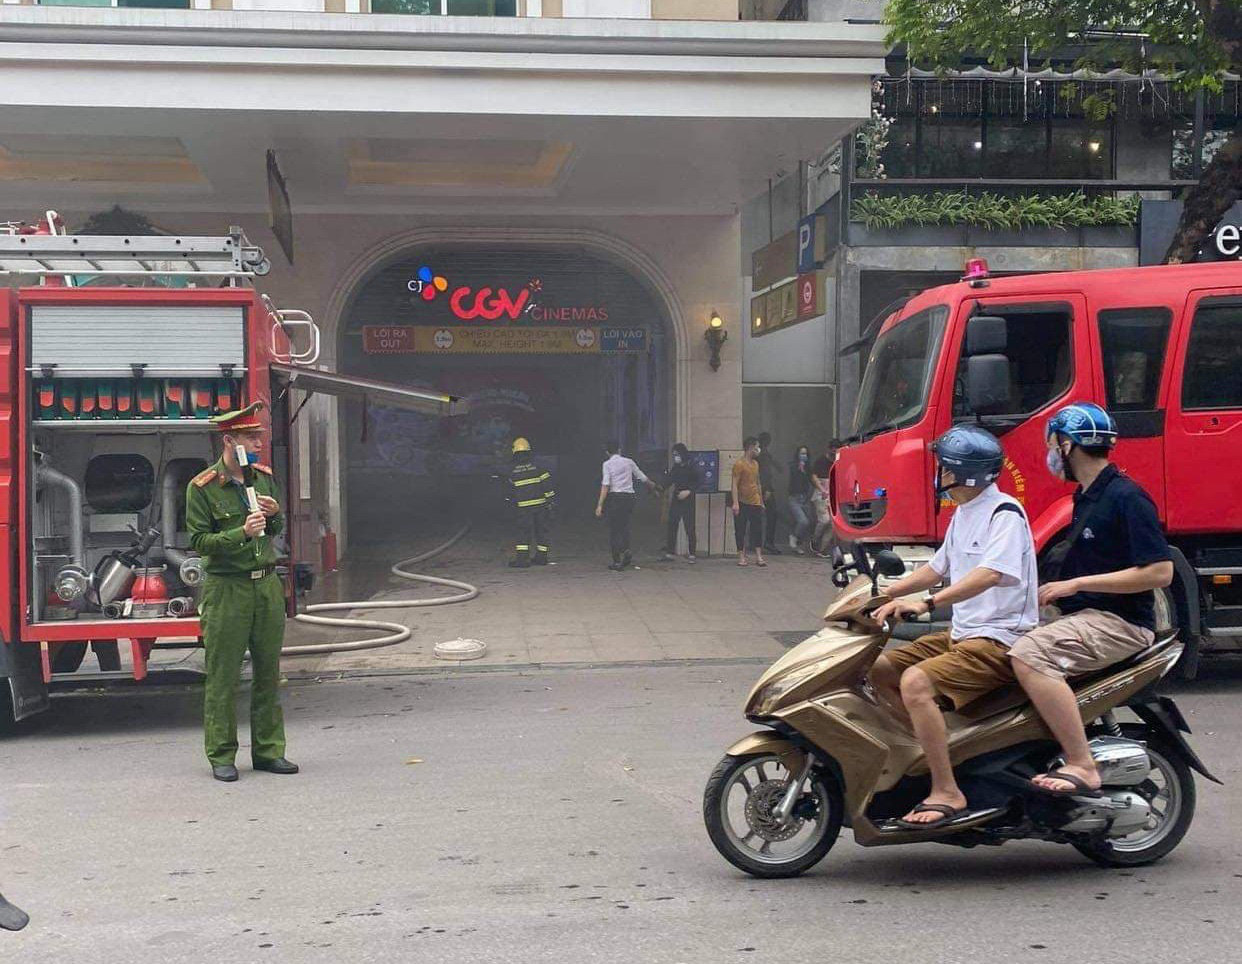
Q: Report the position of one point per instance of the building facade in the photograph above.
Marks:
(535, 205)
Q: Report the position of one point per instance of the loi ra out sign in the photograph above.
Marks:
(525, 340)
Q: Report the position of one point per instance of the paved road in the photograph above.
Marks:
(554, 816)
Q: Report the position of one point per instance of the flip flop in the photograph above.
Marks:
(1077, 787)
(948, 813)
(761, 564)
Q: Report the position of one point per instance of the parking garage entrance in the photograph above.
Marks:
(561, 347)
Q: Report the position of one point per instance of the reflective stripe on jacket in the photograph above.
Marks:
(531, 485)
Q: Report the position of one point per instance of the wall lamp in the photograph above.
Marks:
(715, 336)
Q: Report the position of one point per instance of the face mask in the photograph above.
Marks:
(758, 450)
(802, 459)
(1057, 464)
(677, 460)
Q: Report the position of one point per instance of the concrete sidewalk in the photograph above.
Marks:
(576, 611)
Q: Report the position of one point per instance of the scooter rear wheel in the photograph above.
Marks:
(1171, 793)
(738, 806)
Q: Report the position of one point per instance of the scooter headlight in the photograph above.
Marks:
(767, 698)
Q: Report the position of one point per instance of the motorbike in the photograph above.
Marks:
(832, 755)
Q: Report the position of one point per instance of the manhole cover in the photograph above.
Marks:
(461, 649)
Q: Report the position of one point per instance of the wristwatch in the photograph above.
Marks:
(930, 602)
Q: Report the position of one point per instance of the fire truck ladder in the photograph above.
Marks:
(232, 256)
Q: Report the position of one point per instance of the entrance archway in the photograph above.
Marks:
(555, 343)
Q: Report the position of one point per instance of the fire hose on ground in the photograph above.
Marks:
(394, 632)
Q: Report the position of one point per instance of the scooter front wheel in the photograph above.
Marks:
(739, 808)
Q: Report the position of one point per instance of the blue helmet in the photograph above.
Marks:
(1084, 423)
(972, 454)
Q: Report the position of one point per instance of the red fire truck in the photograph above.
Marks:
(111, 362)
(1159, 347)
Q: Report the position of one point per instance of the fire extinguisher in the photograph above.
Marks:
(327, 547)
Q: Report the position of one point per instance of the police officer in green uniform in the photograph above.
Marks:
(243, 601)
(531, 492)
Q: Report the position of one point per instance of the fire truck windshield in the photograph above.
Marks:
(899, 373)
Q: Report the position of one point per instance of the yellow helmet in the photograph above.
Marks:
(520, 445)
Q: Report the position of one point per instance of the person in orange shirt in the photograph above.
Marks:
(748, 504)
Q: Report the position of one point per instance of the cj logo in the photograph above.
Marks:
(486, 304)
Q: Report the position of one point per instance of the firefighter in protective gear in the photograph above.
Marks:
(531, 492)
(243, 602)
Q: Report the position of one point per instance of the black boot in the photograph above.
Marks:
(12, 918)
(519, 564)
(279, 765)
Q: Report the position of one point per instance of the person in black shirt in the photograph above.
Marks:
(682, 479)
(799, 498)
(1117, 556)
(768, 468)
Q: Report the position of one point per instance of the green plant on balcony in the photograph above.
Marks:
(993, 212)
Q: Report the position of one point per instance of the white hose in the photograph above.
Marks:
(396, 633)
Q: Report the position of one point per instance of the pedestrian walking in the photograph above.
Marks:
(243, 603)
(532, 495)
(768, 469)
(12, 918)
(820, 506)
(798, 499)
(682, 481)
(748, 504)
(616, 499)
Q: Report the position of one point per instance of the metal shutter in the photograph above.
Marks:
(169, 341)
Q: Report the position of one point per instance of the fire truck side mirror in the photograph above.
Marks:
(987, 335)
(988, 384)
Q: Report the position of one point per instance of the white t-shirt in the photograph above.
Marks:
(979, 535)
(619, 474)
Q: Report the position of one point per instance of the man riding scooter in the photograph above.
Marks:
(1116, 556)
(988, 559)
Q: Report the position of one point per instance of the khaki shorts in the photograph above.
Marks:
(960, 671)
(1081, 642)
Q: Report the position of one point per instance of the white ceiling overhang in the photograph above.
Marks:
(405, 113)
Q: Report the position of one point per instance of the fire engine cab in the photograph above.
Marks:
(112, 360)
(1159, 347)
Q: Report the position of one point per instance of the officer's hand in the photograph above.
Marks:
(268, 506)
(599, 512)
(254, 524)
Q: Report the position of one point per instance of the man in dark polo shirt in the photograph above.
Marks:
(1117, 557)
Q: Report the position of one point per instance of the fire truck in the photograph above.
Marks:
(112, 360)
(1158, 347)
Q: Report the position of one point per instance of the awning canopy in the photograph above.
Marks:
(387, 393)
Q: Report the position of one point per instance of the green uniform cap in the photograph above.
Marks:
(239, 420)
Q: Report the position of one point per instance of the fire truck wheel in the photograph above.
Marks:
(67, 657)
(8, 724)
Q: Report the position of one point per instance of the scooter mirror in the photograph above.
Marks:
(888, 563)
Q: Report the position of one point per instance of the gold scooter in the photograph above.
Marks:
(831, 755)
